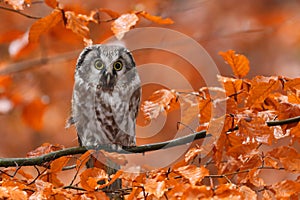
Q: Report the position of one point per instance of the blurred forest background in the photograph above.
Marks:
(267, 32)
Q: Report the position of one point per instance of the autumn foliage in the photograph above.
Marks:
(254, 139)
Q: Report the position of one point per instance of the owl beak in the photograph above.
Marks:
(108, 78)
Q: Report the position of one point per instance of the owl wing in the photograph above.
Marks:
(134, 103)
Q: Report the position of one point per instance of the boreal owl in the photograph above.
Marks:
(105, 100)
(106, 96)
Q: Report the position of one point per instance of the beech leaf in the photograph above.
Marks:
(160, 101)
(154, 187)
(261, 88)
(44, 149)
(58, 164)
(193, 173)
(286, 189)
(90, 177)
(123, 24)
(45, 24)
(239, 63)
(156, 19)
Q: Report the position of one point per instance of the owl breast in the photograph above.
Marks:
(106, 117)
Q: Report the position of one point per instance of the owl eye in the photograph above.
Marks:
(99, 64)
(118, 65)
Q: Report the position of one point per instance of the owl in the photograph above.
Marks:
(106, 96)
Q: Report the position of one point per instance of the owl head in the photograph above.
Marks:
(105, 66)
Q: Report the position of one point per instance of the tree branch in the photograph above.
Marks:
(39, 160)
(284, 121)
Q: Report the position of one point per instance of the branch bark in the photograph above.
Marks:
(39, 160)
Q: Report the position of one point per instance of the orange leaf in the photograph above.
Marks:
(123, 24)
(288, 156)
(254, 129)
(44, 149)
(291, 164)
(261, 87)
(283, 151)
(58, 164)
(192, 153)
(227, 191)
(286, 189)
(254, 179)
(267, 195)
(205, 110)
(12, 193)
(33, 113)
(115, 177)
(25, 174)
(196, 192)
(292, 84)
(78, 26)
(247, 193)
(83, 159)
(156, 19)
(242, 150)
(236, 89)
(268, 161)
(293, 97)
(159, 101)
(52, 178)
(90, 177)
(43, 25)
(239, 63)
(193, 173)
(154, 187)
(51, 3)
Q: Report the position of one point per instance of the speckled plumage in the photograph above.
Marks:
(105, 102)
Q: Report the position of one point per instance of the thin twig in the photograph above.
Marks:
(73, 187)
(19, 12)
